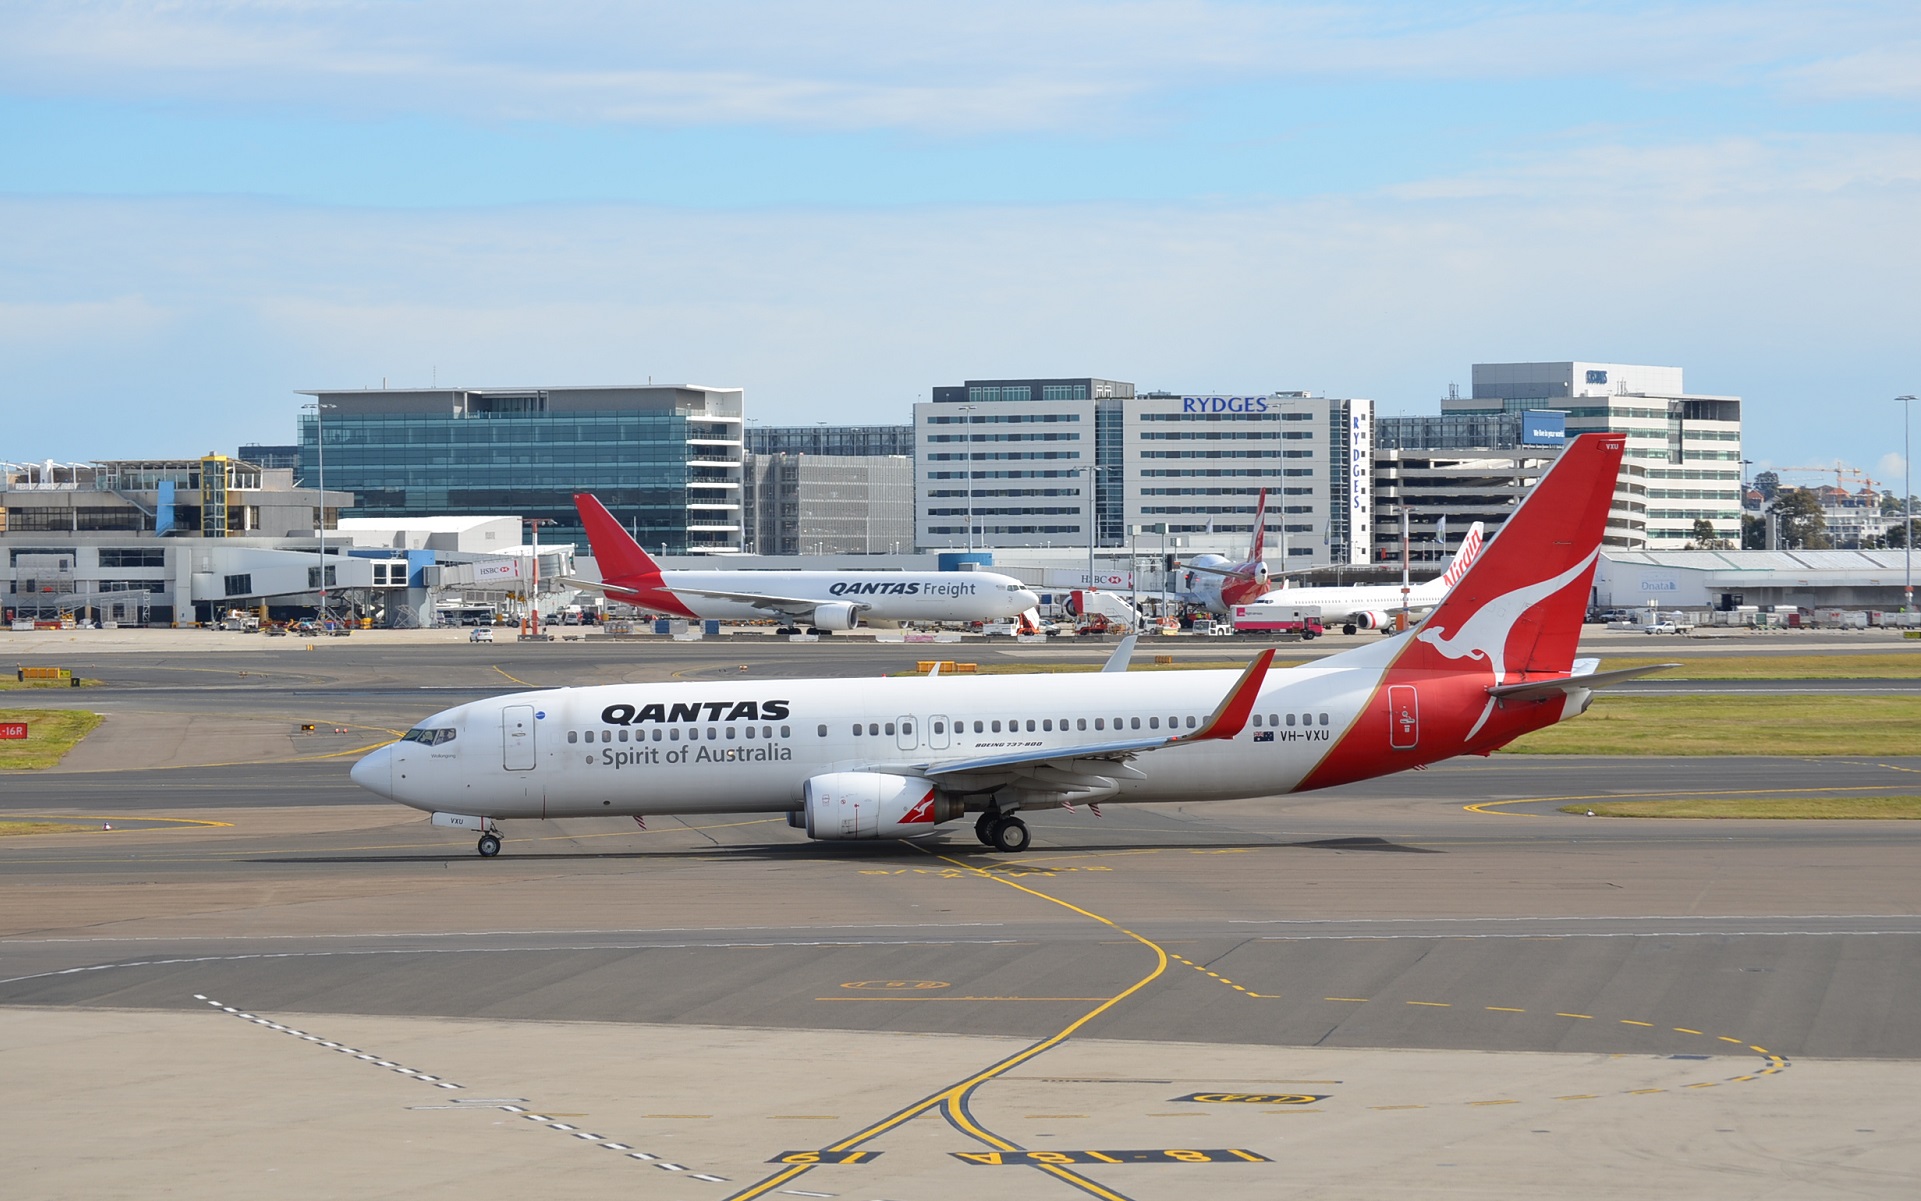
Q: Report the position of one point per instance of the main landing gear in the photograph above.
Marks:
(1003, 832)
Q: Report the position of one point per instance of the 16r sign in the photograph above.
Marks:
(13, 729)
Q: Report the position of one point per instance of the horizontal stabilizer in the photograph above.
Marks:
(1599, 679)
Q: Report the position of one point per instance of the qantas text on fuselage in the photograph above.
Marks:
(898, 757)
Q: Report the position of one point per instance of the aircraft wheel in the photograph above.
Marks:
(1350, 628)
(1011, 835)
(489, 846)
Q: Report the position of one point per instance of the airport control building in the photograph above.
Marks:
(1066, 462)
(666, 460)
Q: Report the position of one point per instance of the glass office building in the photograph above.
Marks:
(665, 460)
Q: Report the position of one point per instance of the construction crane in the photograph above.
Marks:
(1839, 470)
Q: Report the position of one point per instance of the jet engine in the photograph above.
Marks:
(836, 615)
(1374, 619)
(865, 804)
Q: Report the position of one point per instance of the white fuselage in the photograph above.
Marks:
(881, 595)
(745, 747)
(1339, 605)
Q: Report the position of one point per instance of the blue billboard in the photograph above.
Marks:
(1542, 427)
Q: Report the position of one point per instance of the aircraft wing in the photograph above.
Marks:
(794, 605)
(786, 605)
(1227, 720)
(1245, 575)
(1528, 689)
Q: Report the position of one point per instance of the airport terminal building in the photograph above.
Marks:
(666, 460)
(1066, 462)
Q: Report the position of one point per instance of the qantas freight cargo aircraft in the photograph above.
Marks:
(824, 600)
(896, 758)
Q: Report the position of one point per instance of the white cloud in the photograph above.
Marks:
(1786, 297)
(991, 66)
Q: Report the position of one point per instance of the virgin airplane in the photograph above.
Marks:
(824, 600)
(1370, 606)
(900, 757)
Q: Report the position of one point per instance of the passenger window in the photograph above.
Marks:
(1080, 723)
(907, 727)
(823, 730)
(997, 725)
(731, 732)
(1323, 719)
(977, 727)
(768, 731)
(673, 735)
(1190, 721)
(1307, 719)
(750, 731)
(606, 735)
(573, 736)
(713, 734)
(1290, 719)
(1030, 725)
(623, 733)
(1100, 723)
(1257, 721)
(1135, 722)
(857, 729)
(940, 727)
(890, 727)
(873, 727)
(656, 735)
(1153, 723)
(786, 731)
(1047, 724)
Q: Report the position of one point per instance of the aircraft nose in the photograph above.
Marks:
(1028, 599)
(375, 771)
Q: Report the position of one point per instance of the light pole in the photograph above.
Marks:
(320, 509)
(533, 525)
(1907, 510)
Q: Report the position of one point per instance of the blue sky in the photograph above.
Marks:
(837, 206)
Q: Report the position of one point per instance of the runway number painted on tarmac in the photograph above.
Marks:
(825, 1157)
(1255, 1098)
(1028, 1159)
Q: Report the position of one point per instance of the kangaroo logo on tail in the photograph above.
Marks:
(1485, 635)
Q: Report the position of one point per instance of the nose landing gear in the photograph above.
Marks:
(489, 845)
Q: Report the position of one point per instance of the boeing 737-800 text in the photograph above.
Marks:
(823, 600)
(896, 758)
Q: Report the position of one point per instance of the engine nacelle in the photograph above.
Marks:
(836, 615)
(865, 804)
(1374, 619)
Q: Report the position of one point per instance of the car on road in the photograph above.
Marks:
(480, 634)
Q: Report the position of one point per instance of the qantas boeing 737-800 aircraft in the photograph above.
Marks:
(823, 600)
(895, 758)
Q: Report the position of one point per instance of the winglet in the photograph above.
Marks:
(1231, 717)
(620, 558)
(1122, 653)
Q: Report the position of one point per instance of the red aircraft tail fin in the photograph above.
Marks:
(621, 559)
(1260, 530)
(1520, 605)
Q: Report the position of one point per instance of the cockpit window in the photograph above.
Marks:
(428, 737)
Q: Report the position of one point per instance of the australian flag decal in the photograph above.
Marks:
(1264, 736)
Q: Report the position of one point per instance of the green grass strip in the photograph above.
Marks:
(51, 733)
(1619, 724)
(11, 829)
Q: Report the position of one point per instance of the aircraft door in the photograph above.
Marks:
(517, 735)
(1403, 717)
(938, 734)
(907, 739)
